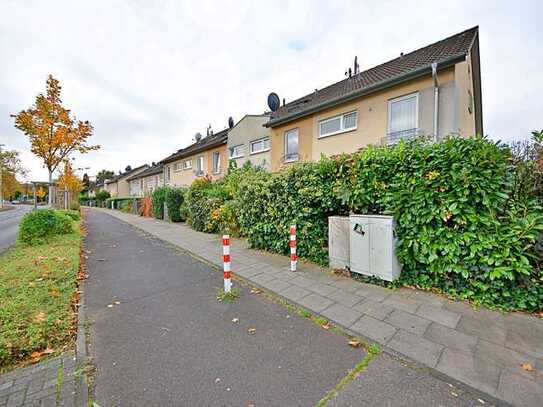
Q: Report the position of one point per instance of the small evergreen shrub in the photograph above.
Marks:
(174, 198)
(37, 226)
(75, 215)
(158, 197)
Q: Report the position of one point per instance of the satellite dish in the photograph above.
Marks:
(273, 101)
(197, 136)
(230, 122)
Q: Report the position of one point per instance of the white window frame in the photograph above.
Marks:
(233, 157)
(200, 162)
(342, 130)
(187, 164)
(218, 169)
(178, 166)
(399, 99)
(258, 141)
(297, 130)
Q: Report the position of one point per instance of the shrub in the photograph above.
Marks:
(37, 226)
(102, 195)
(174, 198)
(158, 197)
(75, 215)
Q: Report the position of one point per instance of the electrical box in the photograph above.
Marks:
(338, 242)
(372, 246)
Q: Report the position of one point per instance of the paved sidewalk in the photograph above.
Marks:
(480, 348)
(53, 382)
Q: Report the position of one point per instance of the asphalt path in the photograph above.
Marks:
(9, 222)
(159, 337)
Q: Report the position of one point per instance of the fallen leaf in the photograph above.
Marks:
(527, 367)
(40, 317)
(255, 291)
(354, 343)
(235, 320)
(251, 331)
(116, 302)
(454, 394)
(481, 401)
(35, 356)
(110, 305)
(48, 351)
(325, 326)
(54, 292)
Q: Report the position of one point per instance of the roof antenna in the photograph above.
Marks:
(209, 131)
(349, 72)
(356, 65)
(283, 101)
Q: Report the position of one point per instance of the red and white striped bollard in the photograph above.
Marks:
(293, 258)
(226, 262)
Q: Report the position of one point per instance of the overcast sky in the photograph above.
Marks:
(150, 74)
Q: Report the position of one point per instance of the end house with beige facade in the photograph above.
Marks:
(435, 90)
(145, 182)
(206, 157)
(249, 141)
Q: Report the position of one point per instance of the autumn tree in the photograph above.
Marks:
(10, 167)
(53, 131)
(69, 181)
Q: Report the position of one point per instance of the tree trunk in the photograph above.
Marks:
(50, 195)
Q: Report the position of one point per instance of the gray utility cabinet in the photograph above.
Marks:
(372, 246)
(338, 242)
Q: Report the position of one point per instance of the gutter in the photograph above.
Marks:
(195, 151)
(436, 100)
(366, 91)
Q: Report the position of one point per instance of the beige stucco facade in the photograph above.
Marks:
(456, 116)
(144, 185)
(120, 188)
(175, 173)
(247, 140)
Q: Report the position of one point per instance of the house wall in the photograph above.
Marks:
(249, 129)
(186, 177)
(464, 97)
(372, 121)
(112, 189)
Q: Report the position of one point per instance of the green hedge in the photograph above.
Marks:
(460, 225)
(38, 226)
(174, 199)
(75, 215)
(158, 197)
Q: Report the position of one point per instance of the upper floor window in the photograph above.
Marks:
(338, 124)
(178, 166)
(187, 165)
(403, 117)
(216, 162)
(259, 146)
(236, 151)
(200, 165)
(291, 145)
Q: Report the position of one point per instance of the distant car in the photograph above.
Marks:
(15, 201)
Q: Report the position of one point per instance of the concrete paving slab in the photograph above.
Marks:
(294, 293)
(343, 315)
(482, 328)
(451, 338)
(416, 347)
(439, 315)
(315, 302)
(372, 328)
(374, 309)
(520, 391)
(344, 298)
(323, 289)
(406, 321)
(402, 302)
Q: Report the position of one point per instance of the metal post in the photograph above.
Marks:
(226, 263)
(1, 176)
(292, 244)
(35, 198)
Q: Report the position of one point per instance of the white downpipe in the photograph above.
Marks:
(436, 100)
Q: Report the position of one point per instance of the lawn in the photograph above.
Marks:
(37, 288)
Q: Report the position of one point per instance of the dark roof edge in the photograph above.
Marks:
(365, 91)
(220, 140)
(156, 170)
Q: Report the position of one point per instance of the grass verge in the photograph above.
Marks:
(37, 292)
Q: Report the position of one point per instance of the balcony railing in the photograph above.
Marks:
(396, 136)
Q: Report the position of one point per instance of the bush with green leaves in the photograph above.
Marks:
(459, 227)
(102, 195)
(75, 215)
(174, 199)
(38, 226)
(158, 197)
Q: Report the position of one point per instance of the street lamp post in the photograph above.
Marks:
(1, 178)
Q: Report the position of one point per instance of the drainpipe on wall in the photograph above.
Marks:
(436, 100)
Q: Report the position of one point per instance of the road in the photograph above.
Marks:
(9, 222)
(159, 337)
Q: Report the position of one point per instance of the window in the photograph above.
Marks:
(337, 124)
(291, 145)
(178, 166)
(168, 173)
(236, 151)
(216, 162)
(187, 165)
(200, 165)
(403, 117)
(260, 146)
